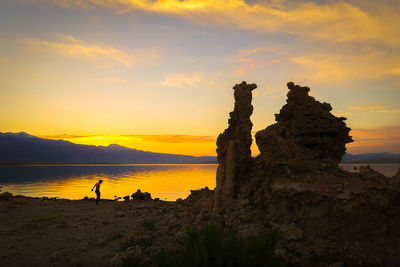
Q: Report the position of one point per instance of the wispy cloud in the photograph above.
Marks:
(249, 62)
(337, 66)
(164, 138)
(367, 107)
(327, 63)
(246, 64)
(384, 139)
(333, 21)
(240, 71)
(178, 138)
(180, 80)
(71, 47)
(62, 136)
(274, 93)
(371, 108)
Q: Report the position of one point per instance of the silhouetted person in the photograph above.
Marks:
(97, 185)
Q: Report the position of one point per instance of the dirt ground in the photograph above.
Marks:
(50, 232)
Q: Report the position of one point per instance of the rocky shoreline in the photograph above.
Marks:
(56, 232)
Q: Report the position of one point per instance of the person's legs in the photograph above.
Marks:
(98, 197)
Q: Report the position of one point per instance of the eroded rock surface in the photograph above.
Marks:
(233, 145)
(306, 134)
(296, 185)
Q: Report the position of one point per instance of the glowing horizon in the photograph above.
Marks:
(158, 75)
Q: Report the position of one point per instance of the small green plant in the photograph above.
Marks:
(148, 224)
(144, 242)
(110, 237)
(132, 262)
(114, 236)
(141, 242)
(32, 226)
(207, 246)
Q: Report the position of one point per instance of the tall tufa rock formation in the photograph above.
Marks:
(296, 186)
(233, 145)
(305, 136)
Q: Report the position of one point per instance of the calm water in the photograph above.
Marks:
(388, 169)
(167, 182)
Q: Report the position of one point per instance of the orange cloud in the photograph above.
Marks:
(75, 48)
(385, 139)
(167, 138)
(330, 63)
(62, 136)
(370, 108)
(336, 66)
(178, 138)
(367, 107)
(332, 21)
(240, 71)
(248, 63)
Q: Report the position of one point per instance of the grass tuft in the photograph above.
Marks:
(148, 224)
(207, 246)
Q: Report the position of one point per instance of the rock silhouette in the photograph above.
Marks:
(139, 195)
(233, 145)
(305, 134)
(296, 185)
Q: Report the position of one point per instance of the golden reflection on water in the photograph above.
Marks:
(167, 182)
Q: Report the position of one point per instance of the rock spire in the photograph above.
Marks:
(233, 145)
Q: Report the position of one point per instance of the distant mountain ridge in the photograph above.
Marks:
(383, 157)
(25, 148)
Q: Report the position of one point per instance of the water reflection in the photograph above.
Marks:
(163, 181)
(388, 169)
(75, 181)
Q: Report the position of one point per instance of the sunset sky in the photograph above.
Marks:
(158, 75)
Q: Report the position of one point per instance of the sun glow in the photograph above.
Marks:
(171, 144)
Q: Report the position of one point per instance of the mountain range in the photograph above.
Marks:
(25, 148)
(383, 157)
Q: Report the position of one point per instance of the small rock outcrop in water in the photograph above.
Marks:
(305, 133)
(5, 196)
(233, 146)
(139, 195)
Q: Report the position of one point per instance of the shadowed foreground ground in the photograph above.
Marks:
(39, 232)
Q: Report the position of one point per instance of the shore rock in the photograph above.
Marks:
(139, 195)
(233, 145)
(5, 196)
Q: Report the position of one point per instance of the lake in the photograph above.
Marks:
(167, 182)
(388, 169)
